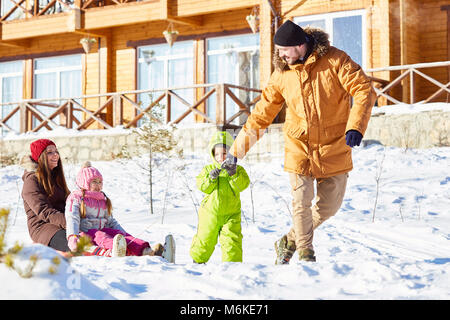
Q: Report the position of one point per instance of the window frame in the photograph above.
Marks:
(165, 59)
(58, 71)
(328, 17)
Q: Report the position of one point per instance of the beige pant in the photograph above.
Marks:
(330, 193)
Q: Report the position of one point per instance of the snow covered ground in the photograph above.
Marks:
(400, 252)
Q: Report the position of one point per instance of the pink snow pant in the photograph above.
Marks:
(104, 239)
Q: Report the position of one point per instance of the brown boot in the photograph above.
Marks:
(306, 255)
(284, 249)
(156, 251)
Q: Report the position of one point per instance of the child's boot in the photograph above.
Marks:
(119, 248)
(157, 250)
(169, 249)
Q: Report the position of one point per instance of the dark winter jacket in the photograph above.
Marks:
(45, 215)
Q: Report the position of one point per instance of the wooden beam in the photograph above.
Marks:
(443, 8)
(266, 33)
(188, 8)
(15, 44)
(91, 34)
(293, 8)
(403, 41)
(191, 21)
(200, 73)
(165, 9)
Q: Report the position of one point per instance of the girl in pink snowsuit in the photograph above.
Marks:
(88, 212)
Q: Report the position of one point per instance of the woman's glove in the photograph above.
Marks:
(72, 242)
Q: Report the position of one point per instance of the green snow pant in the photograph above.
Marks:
(226, 228)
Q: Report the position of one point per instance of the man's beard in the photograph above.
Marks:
(291, 64)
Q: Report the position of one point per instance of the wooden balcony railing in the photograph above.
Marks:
(25, 9)
(105, 111)
(73, 112)
(410, 72)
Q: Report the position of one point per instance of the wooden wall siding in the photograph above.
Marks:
(423, 42)
(433, 43)
(201, 7)
(379, 29)
(408, 52)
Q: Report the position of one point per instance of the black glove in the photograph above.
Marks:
(353, 138)
(214, 173)
(230, 164)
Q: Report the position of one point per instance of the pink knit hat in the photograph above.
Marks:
(86, 174)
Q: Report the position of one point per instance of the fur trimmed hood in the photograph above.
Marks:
(27, 163)
(320, 47)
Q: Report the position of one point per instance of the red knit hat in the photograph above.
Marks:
(38, 146)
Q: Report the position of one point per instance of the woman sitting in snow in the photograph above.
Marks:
(88, 212)
(44, 194)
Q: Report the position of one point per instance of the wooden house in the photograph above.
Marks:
(46, 73)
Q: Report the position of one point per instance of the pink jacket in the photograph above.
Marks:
(97, 216)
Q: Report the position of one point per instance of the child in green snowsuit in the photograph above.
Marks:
(220, 211)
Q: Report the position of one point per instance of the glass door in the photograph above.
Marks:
(160, 67)
(57, 77)
(11, 78)
(233, 60)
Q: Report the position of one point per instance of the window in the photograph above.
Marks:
(161, 66)
(234, 60)
(57, 77)
(346, 30)
(10, 91)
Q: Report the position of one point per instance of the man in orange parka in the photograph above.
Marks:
(317, 82)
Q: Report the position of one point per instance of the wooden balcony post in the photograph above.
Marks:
(117, 110)
(168, 107)
(63, 116)
(220, 104)
(412, 86)
(69, 115)
(23, 118)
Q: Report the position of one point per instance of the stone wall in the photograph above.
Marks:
(410, 130)
(415, 130)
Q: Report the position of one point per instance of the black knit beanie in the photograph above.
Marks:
(290, 34)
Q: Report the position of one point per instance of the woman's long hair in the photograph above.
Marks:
(83, 205)
(47, 177)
